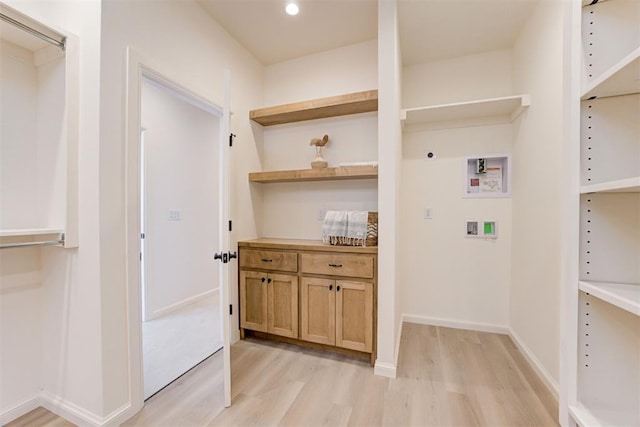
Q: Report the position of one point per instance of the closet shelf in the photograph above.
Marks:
(459, 114)
(341, 105)
(30, 232)
(325, 174)
(621, 79)
(629, 185)
(593, 417)
(624, 296)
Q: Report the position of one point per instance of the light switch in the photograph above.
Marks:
(174, 215)
(428, 213)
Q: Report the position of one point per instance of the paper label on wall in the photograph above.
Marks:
(491, 180)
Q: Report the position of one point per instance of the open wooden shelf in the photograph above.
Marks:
(622, 295)
(621, 79)
(504, 109)
(324, 174)
(341, 105)
(629, 185)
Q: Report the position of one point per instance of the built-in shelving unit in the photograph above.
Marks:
(499, 110)
(341, 105)
(621, 295)
(606, 390)
(324, 174)
(629, 185)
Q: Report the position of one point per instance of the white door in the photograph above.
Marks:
(138, 68)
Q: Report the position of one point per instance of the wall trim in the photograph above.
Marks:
(456, 324)
(538, 368)
(65, 409)
(384, 370)
(19, 410)
(180, 304)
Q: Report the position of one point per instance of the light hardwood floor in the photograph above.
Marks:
(446, 377)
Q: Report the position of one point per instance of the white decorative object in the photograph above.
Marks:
(319, 162)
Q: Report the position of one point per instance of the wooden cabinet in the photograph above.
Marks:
(337, 312)
(332, 309)
(269, 303)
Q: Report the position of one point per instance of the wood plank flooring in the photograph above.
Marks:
(446, 377)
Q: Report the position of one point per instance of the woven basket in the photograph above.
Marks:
(372, 232)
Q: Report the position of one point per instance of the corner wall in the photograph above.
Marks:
(70, 300)
(537, 206)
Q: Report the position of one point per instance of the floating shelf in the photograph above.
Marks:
(621, 79)
(629, 185)
(342, 105)
(506, 109)
(624, 296)
(325, 174)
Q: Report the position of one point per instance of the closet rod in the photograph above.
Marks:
(59, 43)
(28, 244)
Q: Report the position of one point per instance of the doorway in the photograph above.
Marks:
(179, 221)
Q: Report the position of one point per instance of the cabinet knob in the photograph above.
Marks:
(330, 287)
(268, 280)
(262, 279)
(337, 288)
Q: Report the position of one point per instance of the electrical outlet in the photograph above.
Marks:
(428, 213)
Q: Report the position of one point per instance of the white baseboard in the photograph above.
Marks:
(19, 410)
(539, 369)
(385, 370)
(65, 409)
(181, 304)
(448, 323)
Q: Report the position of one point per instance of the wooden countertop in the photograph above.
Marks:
(304, 245)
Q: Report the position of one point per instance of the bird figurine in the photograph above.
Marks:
(319, 162)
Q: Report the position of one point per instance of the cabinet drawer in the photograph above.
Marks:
(338, 265)
(269, 260)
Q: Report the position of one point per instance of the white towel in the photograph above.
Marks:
(345, 227)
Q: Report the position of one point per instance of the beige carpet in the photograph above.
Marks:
(175, 343)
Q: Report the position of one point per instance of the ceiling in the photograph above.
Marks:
(429, 29)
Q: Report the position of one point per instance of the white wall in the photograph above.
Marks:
(352, 68)
(480, 76)
(537, 172)
(181, 173)
(194, 51)
(64, 317)
(389, 182)
(447, 277)
(293, 210)
(19, 206)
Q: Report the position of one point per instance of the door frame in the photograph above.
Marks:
(139, 67)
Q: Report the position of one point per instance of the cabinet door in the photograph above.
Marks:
(354, 315)
(282, 292)
(253, 300)
(318, 310)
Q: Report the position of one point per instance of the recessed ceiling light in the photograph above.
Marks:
(292, 9)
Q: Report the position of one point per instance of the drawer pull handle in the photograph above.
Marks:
(267, 260)
(335, 265)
